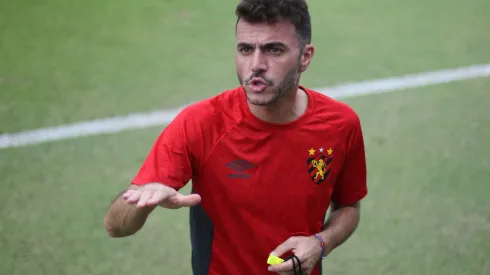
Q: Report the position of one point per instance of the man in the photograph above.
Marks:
(266, 159)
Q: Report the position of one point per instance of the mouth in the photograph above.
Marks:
(257, 85)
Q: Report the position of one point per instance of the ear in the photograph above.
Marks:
(308, 52)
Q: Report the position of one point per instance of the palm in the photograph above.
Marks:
(174, 201)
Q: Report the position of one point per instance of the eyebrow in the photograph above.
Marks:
(264, 45)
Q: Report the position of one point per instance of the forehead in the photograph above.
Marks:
(260, 32)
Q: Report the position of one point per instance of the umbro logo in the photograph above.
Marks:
(239, 166)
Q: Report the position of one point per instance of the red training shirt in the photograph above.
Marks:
(260, 183)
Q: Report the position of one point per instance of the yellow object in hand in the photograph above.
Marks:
(273, 260)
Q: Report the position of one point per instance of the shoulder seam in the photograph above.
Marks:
(334, 127)
(204, 162)
(346, 135)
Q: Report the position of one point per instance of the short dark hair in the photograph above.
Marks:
(272, 11)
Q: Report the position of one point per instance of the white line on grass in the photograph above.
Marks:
(145, 120)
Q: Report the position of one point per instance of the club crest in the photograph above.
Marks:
(318, 164)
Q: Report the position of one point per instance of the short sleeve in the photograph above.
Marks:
(351, 185)
(170, 160)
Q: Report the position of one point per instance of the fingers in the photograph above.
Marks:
(285, 247)
(284, 267)
(288, 267)
(144, 197)
(132, 196)
(127, 194)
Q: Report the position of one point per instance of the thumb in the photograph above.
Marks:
(187, 200)
(285, 247)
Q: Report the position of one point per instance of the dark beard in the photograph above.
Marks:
(287, 84)
(284, 88)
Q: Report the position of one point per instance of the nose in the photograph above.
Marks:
(259, 63)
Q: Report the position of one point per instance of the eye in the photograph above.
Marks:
(245, 49)
(275, 50)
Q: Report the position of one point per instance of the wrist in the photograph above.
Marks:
(329, 240)
(320, 239)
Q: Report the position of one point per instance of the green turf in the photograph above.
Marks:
(65, 61)
(427, 211)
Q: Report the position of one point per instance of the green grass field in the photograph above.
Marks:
(428, 154)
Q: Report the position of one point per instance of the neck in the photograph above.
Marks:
(284, 110)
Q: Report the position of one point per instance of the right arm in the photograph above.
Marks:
(129, 211)
(125, 219)
(166, 169)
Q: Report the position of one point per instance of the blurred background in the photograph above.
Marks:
(62, 62)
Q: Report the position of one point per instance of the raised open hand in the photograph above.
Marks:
(153, 194)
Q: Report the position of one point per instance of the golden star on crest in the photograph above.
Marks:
(330, 151)
(312, 152)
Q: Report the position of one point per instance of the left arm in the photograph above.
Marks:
(341, 223)
(349, 190)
